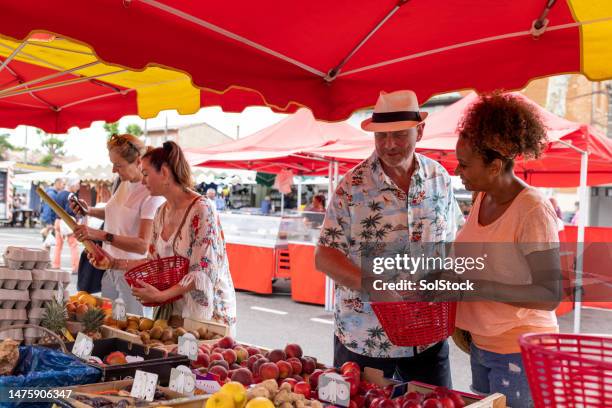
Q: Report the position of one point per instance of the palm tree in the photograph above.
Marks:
(372, 221)
(5, 145)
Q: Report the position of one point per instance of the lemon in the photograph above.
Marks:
(259, 402)
(237, 391)
(220, 400)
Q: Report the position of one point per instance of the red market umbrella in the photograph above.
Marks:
(285, 145)
(334, 57)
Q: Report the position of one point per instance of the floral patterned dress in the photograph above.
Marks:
(200, 240)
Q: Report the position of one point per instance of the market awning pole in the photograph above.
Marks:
(329, 283)
(282, 203)
(299, 193)
(582, 221)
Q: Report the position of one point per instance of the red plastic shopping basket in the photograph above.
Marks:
(161, 273)
(416, 323)
(568, 370)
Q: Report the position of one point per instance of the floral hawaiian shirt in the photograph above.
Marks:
(368, 206)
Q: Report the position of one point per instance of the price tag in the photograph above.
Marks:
(188, 346)
(144, 385)
(119, 310)
(334, 389)
(208, 386)
(182, 380)
(59, 294)
(83, 346)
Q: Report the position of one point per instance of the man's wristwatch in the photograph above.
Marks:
(109, 237)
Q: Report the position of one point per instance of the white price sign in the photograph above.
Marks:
(83, 346)
(182, 380)
(144, 385)
(188, 346)
(119, 310)
(335, 389)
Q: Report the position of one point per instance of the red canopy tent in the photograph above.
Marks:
(284, 145)
(333, 57)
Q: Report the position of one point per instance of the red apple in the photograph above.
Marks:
(314, 379)
(293, 350)
(229, 355)
(303, 388)
(447, 402)
(360, 400)
(284, 369)
(349, 365)
(411, 404)
(373, 394)
(432, 403)
(219, 371)
(414, 396)
(296, 365)
(383, 402)
(353, 404)
(226, 342)
(457, 400)
(354, 383)
(268, 371)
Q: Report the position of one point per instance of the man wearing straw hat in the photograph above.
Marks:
(395, 196)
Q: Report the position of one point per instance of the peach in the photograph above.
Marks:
(253, 350)
(243, 376)
(229, 356)
(257, 365)
(221, 363)
(308, 365)
(268, 371)
(276, 355)
(284, 369)
(226, 342)
(293, 350)
(216, 356)
(241, 354)
(219, 371)
(296, 364)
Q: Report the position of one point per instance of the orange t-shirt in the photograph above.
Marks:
(530, 221)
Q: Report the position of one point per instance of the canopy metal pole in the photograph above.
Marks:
(582, 221)
(299, 193)
(282, 204)
(329, 283)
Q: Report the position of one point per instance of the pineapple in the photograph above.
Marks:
(54, 319)
(93, 319)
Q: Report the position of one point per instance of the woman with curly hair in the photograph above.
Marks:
(516, 227)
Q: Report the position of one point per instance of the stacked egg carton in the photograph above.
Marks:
(29, 268)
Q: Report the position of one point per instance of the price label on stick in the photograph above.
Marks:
(83, 346)
(182, 380)
(334, 389)
(119, 310)
(144, 385)
(188, 346)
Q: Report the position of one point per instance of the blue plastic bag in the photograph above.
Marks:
(41, 367)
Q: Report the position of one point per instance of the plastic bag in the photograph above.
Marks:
(41, 367)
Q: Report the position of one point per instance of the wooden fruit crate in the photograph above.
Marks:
(496, 400)
(90, 390)
(188, 324)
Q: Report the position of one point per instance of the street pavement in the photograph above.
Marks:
(275, 320)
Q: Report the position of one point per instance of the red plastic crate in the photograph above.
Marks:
(568, 370)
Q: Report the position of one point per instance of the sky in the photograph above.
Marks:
(89, 144)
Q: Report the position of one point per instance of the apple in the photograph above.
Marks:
(432, 403)
(411, 404)
(303, 388)
(349, 365)
(457, 400)
(447, 402)
(414, 396)
(354, 383)
(383, 402)
(359, 399)
(371, 395)
(353, 404)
